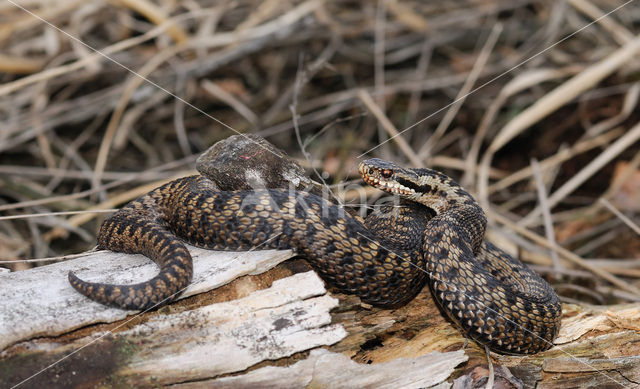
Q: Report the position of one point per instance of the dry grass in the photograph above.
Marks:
(517, 100)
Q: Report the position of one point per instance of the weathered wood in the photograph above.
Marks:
(264, 337)
(324, 369)
(229, 337)
(592, 333)
(40, 301)
(290, 316)
(597, 347)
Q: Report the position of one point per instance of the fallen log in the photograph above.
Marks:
(233, 328)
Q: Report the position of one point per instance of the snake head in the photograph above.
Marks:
(425, 186)
(388, 176)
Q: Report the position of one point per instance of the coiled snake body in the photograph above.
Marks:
(493, 298)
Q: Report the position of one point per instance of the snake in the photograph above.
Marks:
(436, 236)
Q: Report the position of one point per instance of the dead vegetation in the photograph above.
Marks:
(532, 105)
(540, 123)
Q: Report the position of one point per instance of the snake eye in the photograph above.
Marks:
(386, 173)
(371, 171)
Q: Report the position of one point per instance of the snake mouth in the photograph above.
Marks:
(384, 178)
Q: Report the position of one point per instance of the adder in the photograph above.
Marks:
(435, 237)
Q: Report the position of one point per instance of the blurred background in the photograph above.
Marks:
(531, 105)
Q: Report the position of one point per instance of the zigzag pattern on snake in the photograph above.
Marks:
(491, 297)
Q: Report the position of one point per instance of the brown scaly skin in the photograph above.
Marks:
(339, 246)
(493, 298)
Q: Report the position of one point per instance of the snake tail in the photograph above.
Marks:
(138, 228)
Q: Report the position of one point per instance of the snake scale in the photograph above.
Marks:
(435, 237)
